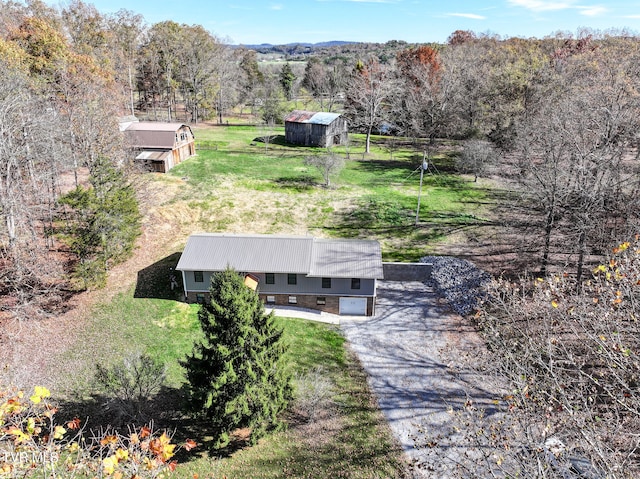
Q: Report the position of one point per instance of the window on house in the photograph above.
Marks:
(198, 276)
(292, 278)
(293, 300)
(270, 278)
(320, 300)
(200, 298)
(355, 283)
(271, 299)
(326, 282)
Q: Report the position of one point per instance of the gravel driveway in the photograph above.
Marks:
(416, 353)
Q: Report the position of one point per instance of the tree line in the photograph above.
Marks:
(66, 201)
(557, 118)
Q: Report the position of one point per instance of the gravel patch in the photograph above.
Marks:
(418, 356)
(459, 281)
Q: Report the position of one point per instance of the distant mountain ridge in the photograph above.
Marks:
(333, 49)
(332, 43)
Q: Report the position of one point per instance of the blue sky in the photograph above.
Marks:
(287, 21)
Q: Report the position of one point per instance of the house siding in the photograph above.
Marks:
(190, 283)
(307, 285)
(304, 285)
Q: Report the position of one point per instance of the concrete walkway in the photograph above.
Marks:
(310, 314)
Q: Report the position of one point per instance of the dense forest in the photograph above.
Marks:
(558, 117)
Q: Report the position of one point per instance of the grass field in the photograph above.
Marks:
(255, 189)
(238, 184)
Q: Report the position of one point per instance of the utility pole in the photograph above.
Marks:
(422, 167)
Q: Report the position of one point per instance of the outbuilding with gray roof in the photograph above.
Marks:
(309, 128)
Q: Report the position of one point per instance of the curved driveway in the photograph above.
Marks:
(416, 353)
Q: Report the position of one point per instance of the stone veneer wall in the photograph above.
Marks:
(305, 301)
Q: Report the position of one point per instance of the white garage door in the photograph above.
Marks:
(353, 306)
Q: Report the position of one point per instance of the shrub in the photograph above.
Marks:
(314, 392)
(130, 383)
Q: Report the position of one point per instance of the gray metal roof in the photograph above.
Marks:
(346, 259)
(247, 253)
(318, 118)
(282, 254)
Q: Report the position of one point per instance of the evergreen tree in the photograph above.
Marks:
(105, 222)
(235, 374)
(287, 80)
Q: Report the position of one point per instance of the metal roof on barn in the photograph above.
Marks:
(317, 118)
(153, 134)
(282, 254)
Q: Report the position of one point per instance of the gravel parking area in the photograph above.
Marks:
(417, 354)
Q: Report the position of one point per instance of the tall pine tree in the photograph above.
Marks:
(236, 375)
(103, 223)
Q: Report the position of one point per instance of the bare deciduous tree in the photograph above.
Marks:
(476, 158)
(422, 103)
(30, 164)
(324, 82)
(466, 69)
(572, 361)
(328, 164)
(575, 146)
(370, 86)
(127, 29)
(266, 133)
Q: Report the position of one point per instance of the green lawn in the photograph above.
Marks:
(352, 440)
(375, 195)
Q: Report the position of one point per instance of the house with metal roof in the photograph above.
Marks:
(334, 275)
(160, 146)
(308, 128)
